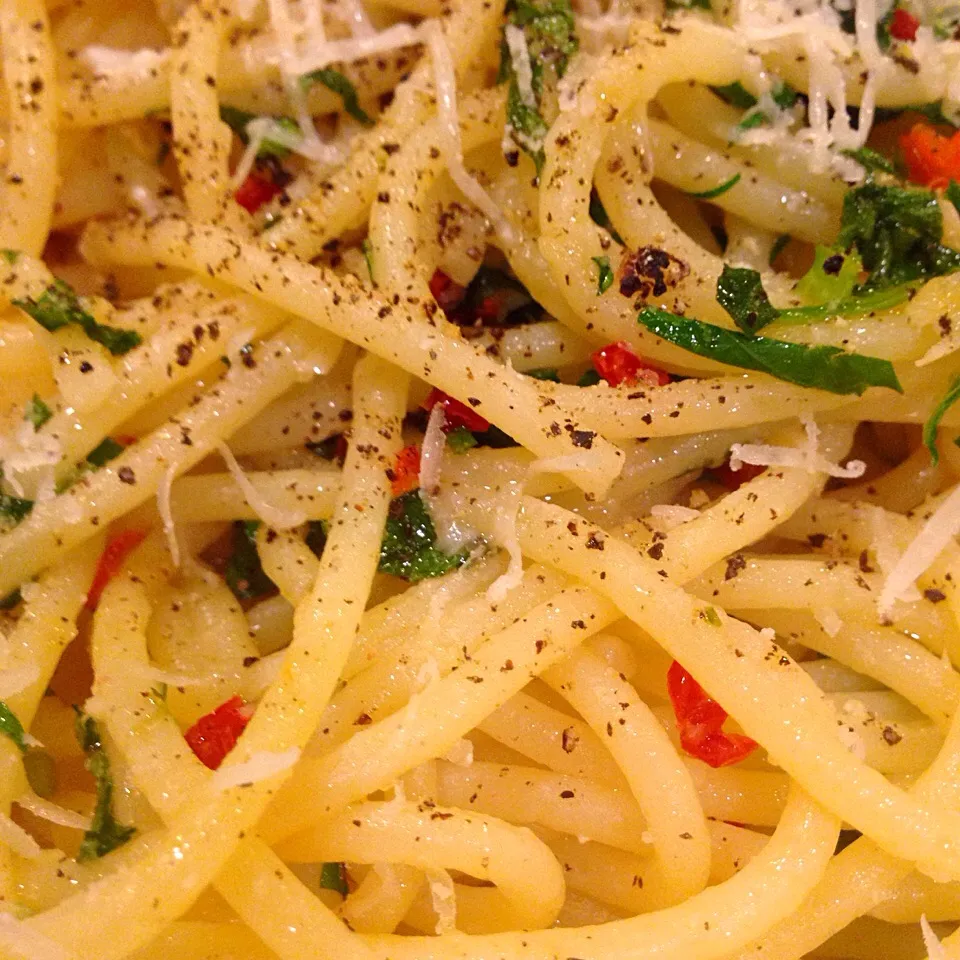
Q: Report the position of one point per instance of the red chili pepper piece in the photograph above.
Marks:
(111, 562)
(214, 735)
(255, 191)
(617, 363)
(456, 414)
(405, 475)
(447, 293)
(125, 439)
(735, 479)
(903, 25)
(932, 159)
(700, 720)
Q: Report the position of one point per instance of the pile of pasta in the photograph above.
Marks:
(410, 544)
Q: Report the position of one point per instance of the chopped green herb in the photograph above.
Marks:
(108, 449)
(59, 306)
(10, 726)
(832, 277)
(784, 96)
(897, 232)
(870, 160)
(545, 373)
(244, 573)
(605, 274)
(105, 833)
(717, 191)
(736, 94)
(160, 691)
(673, 5)
(14, 509)
(333, 876)
(930, 427)
(367, 249)
(409, 542)
(589, 378)
(711, 616)
(237, 121)
(952, 193)
(11, 256)
(37, 412)
(752, 120)
(820, 367)
(932, 111)
(335, 81)
(527, 127)
(599, 216)
(740, 292)
(492, 288)
(461, 440)
(778, 247)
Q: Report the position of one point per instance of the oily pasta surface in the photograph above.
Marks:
(479, 479)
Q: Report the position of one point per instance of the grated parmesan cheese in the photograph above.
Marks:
(431, 453)
(851, 739)
(127, 64)
(261, 766)
(934, 948)
(673, 514)
(806, 457)
(444, 900)
(505, 531)
(444, 80)
(460, 754)
(166, 513)
(27, 450)
(275, 517)
(829, 620)
(928, 544)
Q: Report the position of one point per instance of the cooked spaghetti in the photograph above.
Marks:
(479, 479)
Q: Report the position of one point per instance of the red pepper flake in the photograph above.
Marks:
(903, 25)
(699, 722)
(115, 553)
(405, 475)
(735, 479)
(456, 414)
(617, 364)
(126, 439)
(932, 159)
(215, 734)
(255, 191)
(447, 293)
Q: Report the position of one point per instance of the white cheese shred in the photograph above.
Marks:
(166, 513)
(261, 766)
(934, 536)
(431, 453)
(445, 82)
(673, 514)
(934, 948)
(505, 531)
(806, 457)
(275, 517)
(444, 900)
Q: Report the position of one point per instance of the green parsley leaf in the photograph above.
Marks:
(673, 5)
(106, 833)
(367, 249)
(59, 306)
(932, 111)
(108, 449)
(832, 277)
(784, 96)
(605, 277)
(335, 81)
(589, 378)
(740, 292)
(409, 542)
(37, 412)
(755, 119)
(598, 215)
(545, 373)
(244, 573)
(237, 121)
(11, 727)
(737, 95)
(820, 367)
(717, 191)
(711, 616)
(778, 247)
(952, 193)
(897, 232)
(870, 160)
(11, 256)
(461, 440)
(930, 427)
(13, 509)
(333, 876)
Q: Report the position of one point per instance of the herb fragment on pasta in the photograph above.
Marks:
(598, 215)
(58, 306)
(604, 274)
(337, 83)
(538, 41)
(545, 373)
(244, 572)
(933, 421)
(718, 190)
(819, 367)
(37, 412)
(870, 160)
(106, 833)
(333, 876)
(13, 509)
(237, 121)
(460, 440)
(409, 546)
(11, 727)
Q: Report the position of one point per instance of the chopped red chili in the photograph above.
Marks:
(445, 291)
(932, 159)
(115, 553)
(215, 734)
(255, 191)
(700, 720)
(617, 364)
(406, 471)
(457, 414)
(903, 25)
